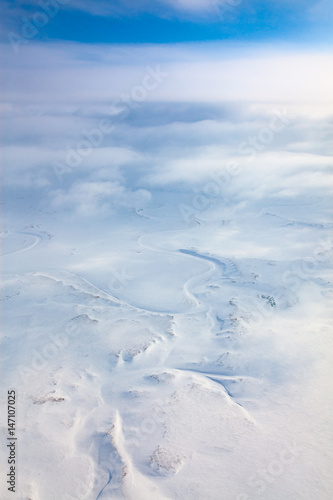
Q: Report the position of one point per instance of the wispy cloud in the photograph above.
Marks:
(200, 72)
(178, 20)
(97, 198)
(201, 117)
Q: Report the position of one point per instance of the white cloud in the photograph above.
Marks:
(199, 72)
(193, 123)
(97, 198)
(195, 6)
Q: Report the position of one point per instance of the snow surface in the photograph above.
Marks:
(162, 357)
(182, 381)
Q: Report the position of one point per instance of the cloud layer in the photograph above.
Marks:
(92, 128)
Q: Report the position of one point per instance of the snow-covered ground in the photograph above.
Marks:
(169, 336)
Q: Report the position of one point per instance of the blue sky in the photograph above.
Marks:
(170, 21)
